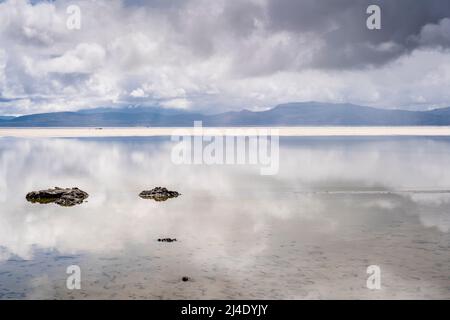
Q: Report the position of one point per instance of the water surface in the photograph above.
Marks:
(336, 206)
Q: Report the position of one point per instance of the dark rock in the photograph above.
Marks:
(184, 279)
(158, 194)
(167, 240)
(63, 197)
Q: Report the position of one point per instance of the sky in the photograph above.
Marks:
(213, 56)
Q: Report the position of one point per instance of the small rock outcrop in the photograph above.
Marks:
(167, 240)
(64, 197)
(158, 194)
(185, 279)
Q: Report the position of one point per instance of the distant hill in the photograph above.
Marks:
(6, 118)
(291, 114)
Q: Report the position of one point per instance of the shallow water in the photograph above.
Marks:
(336, 206)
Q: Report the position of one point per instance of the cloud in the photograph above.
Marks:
(436, 34)
(85, 58)
(218, 55)
(340, 24)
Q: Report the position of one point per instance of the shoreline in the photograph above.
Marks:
(49, 132)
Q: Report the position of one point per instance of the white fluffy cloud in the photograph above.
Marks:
(199, 54)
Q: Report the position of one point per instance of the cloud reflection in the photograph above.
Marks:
(215, 198)
(231, 219)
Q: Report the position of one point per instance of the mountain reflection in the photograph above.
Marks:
(222, 207)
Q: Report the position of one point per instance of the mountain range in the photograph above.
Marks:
(290, 114)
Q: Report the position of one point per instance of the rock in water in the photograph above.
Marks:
(167, 240)
(63, 197)
(159, 194)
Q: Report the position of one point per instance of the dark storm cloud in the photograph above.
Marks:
(204, 26)
(336, 32)
(341, 24)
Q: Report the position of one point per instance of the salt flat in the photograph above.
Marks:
(282, 131)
